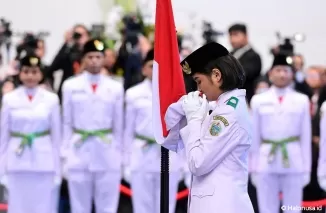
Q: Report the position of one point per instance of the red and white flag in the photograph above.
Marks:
(168, 83)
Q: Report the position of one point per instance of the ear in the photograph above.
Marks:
(216, 75)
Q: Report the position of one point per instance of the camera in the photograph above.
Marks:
(98, 31)
(28, 45)
(5, 31)
(133, 26)
(209, 34)
(76, 36)
(285, 46)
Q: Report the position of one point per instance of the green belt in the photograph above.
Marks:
(93, 133)
(282, 145)
(149, 141)
(28, 139)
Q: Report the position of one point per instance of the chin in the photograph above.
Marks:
(31, 85)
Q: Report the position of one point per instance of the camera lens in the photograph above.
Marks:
(76, 36)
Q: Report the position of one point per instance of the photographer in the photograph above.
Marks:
(248, 57)
(68, 58)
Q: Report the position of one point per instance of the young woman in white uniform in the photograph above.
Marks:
(29, 143)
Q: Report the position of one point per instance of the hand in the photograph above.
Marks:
(254, 179)
(322, 182)
(68, 36)
(57, 180)
(306, 179)
(4, 181)
(195, 107)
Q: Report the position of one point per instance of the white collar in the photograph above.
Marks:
(224, 97)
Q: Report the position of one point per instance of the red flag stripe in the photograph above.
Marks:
(168, 81)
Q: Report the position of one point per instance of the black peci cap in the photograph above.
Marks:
(94, 45)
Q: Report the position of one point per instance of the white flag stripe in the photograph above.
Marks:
(157, 122)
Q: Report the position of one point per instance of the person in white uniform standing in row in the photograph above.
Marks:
(29, 143)
(281, 151)
(145, 152)
(93, 131)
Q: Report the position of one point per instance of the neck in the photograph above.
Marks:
(280, 90)
(93, 77)
(220, 95)
(316, 91)
(30, 90)
(243, 45)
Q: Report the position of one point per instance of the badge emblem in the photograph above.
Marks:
(215, 129)
(33, 61)
(99, 45)
(221, 118)
(186, 68)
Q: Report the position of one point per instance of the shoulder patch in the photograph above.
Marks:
(218, 124)
(233, 102)
(215, 128)
(220, 118)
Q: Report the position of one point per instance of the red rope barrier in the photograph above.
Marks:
(184, 193)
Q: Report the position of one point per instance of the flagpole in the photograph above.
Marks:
(164, 180)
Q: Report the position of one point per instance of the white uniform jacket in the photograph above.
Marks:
(285, 125)
(145, 152)
(217, 155)
(97, 114)
(30, 132)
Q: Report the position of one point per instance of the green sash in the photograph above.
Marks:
(27, 139)
(93, 133)
(149, 141)
(280, 144)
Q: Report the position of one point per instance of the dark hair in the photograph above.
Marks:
(232, 72)
(238, 27)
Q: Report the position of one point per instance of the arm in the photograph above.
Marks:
(129, 133)
(206, 152)
(4, 135)
(305, 137)
(56, 135)
(67, 117)
(118, 118)
(322, 143)
(57, 62)
(256, 139)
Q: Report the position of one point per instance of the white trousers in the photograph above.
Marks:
(146, 191)
(270, 185)
(33, 192)
(103, 187)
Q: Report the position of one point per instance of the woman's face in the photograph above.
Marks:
(209, 85)
(30, 76)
